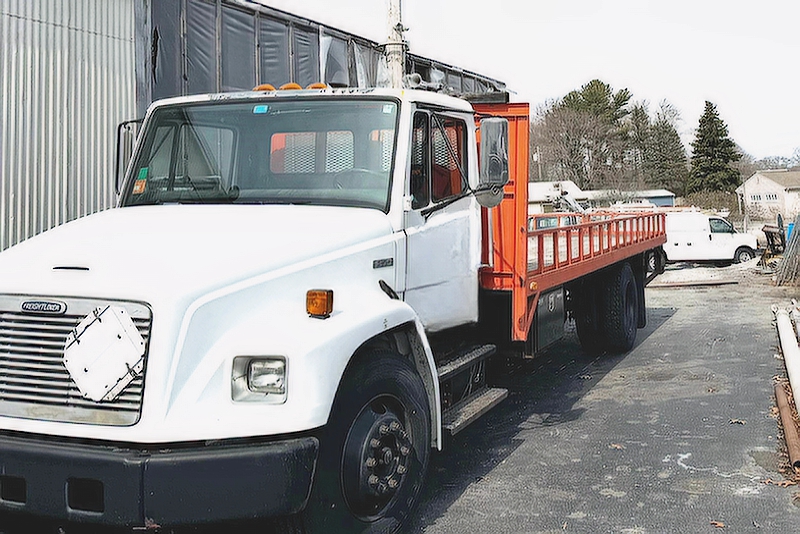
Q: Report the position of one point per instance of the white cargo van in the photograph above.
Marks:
(696, 236)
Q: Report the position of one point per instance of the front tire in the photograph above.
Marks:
(374, 450)
(744, 254)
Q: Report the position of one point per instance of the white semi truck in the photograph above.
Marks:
(292, 303)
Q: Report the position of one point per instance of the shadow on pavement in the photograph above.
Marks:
(543, 392)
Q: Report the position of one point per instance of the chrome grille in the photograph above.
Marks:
(35, 384)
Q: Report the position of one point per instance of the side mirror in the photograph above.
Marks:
(127, 132)
(494, 161)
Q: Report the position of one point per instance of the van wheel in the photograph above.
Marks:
(374, 450)
(652, 262)
(620, 309)
(743, 255)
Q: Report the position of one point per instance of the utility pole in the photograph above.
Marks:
(395, 45)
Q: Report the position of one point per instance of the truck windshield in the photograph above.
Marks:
(325, 151)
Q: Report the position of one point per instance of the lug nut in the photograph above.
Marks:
(392, 483)
(374, 443)
(394, 426)
(383, 429)
(404, 450)
(371, 462)
(401, 469)
(373, 480)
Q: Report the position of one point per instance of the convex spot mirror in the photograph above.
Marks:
(494, 161)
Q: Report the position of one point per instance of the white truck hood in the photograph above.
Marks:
(158, 253)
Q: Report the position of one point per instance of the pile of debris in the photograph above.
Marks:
(788, 271)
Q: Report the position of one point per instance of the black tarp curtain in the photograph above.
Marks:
(203, 46)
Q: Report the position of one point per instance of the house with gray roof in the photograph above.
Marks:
(768, 193)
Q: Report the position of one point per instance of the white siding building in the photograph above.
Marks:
(768, 193)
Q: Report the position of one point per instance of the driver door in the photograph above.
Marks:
(721, 237)
(442, 225)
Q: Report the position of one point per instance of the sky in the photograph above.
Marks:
(742, 55)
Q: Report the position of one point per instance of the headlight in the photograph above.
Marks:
(267, 376)
(259, 379)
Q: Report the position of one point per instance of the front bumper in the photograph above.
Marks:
(131, 487)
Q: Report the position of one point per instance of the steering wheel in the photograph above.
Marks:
(369, 177)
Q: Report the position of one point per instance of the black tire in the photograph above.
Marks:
(652, 262)
(588, 322)
(743, 255)
(374, 450)
(620, 309)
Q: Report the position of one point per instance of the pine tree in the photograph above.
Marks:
(665, 159)
(712, 154)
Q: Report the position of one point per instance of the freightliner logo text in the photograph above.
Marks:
(49, 307)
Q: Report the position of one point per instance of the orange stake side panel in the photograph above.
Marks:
(504, 236)
(528, 263)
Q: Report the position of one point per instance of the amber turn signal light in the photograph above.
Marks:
(319, 303)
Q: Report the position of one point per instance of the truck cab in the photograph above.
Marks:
(267, 247)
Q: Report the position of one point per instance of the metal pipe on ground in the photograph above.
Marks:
(789, 425)
(795, 313)
(791, 352)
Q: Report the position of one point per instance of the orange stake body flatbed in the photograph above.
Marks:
(527, 261)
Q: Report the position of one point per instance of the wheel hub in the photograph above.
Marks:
(376, 460)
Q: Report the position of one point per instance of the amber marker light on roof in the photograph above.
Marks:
(319, 303)
(317, 85)
(264, 87)
(291, 86)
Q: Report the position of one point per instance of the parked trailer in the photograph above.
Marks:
(297, 297)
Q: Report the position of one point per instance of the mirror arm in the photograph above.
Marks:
(441, 205)
(120, 127)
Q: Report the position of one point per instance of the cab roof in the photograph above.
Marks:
(404, 95)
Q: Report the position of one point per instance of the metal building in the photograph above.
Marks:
(72, 70)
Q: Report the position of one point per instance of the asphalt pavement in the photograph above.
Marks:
(677, 436)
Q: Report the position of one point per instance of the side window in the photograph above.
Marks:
(420, 158)
(718, 226)
(449, 157)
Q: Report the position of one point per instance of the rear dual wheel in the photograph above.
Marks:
(620, 309)
(606, 316)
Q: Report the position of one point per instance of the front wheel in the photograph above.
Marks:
(374, 450)
(744, 254)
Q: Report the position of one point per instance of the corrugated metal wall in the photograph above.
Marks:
(67, 78)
